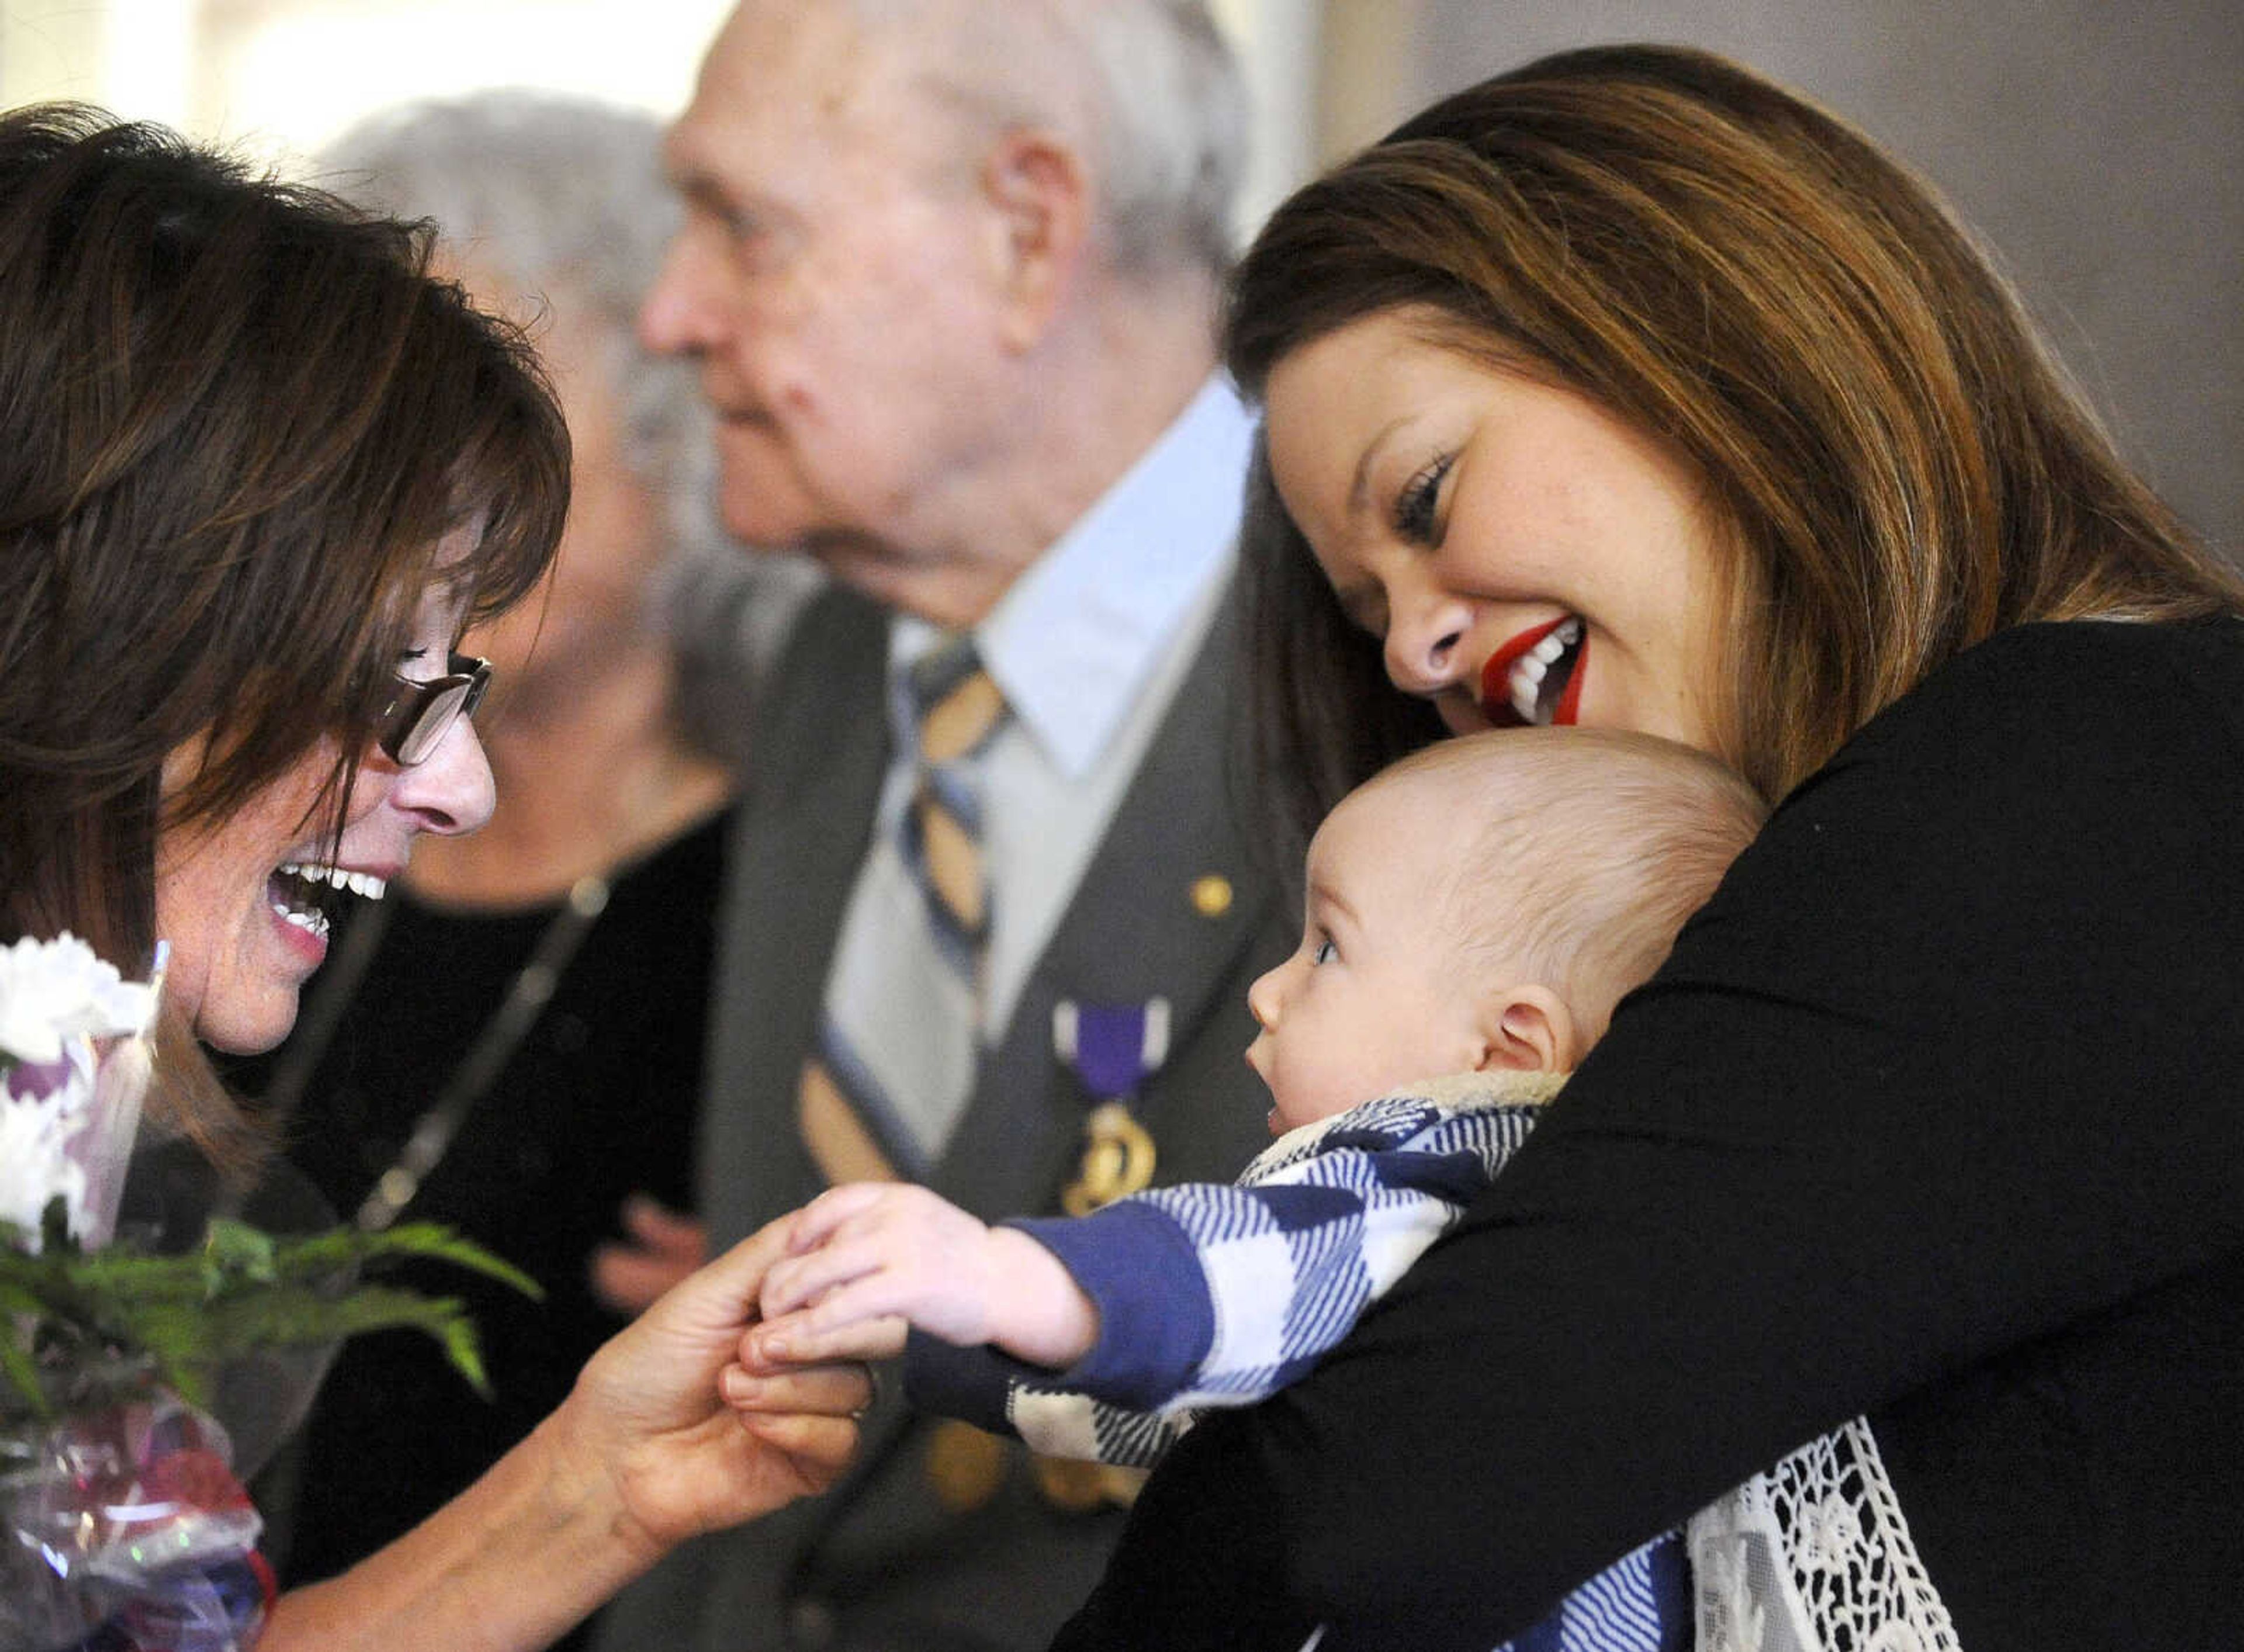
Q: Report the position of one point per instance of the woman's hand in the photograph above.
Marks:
(647, 1412)
(642, 1455)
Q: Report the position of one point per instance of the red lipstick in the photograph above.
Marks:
(1496, 677)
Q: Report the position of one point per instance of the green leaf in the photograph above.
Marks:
(240, 1291)
(432, 1239)
(238, 1248)
(22, 1375)
(54, 1222)
(466, 1355)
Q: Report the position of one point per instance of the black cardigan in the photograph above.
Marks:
(1936, 1112)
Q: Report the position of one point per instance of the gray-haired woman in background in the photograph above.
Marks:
(511, 1041)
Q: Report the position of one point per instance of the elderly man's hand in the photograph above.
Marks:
(662, 1246)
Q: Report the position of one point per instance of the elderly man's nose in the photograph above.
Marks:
(677, 315)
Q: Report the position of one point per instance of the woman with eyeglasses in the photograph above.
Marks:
(259, 472)
(547, 1078)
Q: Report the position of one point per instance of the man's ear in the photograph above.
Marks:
(1528, 1029)
(1041, 193)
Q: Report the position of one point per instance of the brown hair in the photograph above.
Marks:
(1589, 848)
(236, 419)
(1895, 466)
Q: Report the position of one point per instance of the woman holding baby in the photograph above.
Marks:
(1628, 389)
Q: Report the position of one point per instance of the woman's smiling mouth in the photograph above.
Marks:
(306, 893)
(1535, 677)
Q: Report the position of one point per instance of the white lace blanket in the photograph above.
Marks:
(1814, 1556)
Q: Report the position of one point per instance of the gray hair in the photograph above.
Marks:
(1150, 89)
(543, 189)
(548, 190)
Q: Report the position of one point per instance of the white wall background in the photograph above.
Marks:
(2097, 146)
(279, 77)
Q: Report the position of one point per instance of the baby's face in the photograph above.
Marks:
(1376, 996)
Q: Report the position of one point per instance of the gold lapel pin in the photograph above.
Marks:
(1211, 895)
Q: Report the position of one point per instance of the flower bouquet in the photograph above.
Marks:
(124, 1523)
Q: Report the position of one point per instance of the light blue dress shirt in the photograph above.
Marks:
(1089, 647)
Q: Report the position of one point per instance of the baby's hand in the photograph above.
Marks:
(798, 1338)
(880, 1250)
(865, 1257)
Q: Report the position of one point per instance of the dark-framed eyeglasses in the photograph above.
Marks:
(423, 713)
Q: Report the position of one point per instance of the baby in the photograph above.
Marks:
(1474, 913)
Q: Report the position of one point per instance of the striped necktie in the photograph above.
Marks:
(901, 1031)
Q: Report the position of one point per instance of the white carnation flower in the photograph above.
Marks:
(52, 991)
(34, 1165)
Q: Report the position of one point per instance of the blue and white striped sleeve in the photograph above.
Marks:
(1221, 1294)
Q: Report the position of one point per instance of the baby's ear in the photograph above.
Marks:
(1528, 1029)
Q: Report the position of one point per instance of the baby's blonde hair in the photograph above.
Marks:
(1590, 847)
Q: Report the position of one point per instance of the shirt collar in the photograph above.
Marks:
(1074, 639)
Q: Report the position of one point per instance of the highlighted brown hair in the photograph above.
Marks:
(1896, 467)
